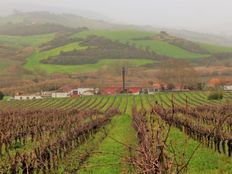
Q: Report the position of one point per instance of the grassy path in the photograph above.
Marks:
(111, 156)
(205, 160)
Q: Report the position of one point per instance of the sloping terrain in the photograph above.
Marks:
(26, 41)
(35, 29)
(99, 48)
(149, 41)
(43, 17)
(70, 51)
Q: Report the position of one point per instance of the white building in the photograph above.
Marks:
(27, 97)
(60, 94)
(83, 91)
(228, 88)
(46, 94)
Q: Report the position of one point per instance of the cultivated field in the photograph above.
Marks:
(117, 134)
(35, 49)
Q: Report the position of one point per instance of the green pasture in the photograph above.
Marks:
(25, 41)
(215, 48)
(166, 49)
(34, 62)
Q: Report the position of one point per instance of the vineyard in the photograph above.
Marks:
(150, 134)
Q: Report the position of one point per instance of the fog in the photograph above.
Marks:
(198, 15)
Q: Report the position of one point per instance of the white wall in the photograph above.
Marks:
(60, 95)
(228, 88)
(29, 97)
(85, 91)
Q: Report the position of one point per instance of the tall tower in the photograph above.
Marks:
(123, 80)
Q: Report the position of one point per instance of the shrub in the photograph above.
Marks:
(170, 86)
(215, 95)
(1, 95)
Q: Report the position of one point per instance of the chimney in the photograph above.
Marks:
(123, 80)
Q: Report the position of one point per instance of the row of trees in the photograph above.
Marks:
(178, 72)
(211, 127)
(55, 133)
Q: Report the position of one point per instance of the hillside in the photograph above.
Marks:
(75, 21)
(22, 29)
(67, 20)
(74, 52)
(55, 45)
(99, 48)
(26, 41)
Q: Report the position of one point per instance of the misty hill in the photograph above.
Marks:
(67, 20)
(35, 29)
(202, 37)
(74, 21)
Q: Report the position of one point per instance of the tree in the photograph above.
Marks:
(178, 72)
(170, 86)
(1, 95)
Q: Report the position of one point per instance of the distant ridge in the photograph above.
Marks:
(74, 21)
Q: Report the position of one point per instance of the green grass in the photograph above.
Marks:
(205, 160)
(166, 49)
(215, 48)
(160, 47)
(22, 41)
(113, 153)
(5, 98)
(33, 62)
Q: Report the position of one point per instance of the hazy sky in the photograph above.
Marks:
(187, 14)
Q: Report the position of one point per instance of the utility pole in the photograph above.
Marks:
(123, 80)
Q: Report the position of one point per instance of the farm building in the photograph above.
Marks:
(134, 90)
(148, 91)
(227, 87)
(84, 92)
(46, 94)
(111, 90)
(160, 86)
(27, 97)
(60, 94)
(214, 82)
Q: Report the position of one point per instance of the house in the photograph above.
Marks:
(27, 97)
(148, 91)
(160, 86)
(227, 87)
(134, 90)
(214, 82)
(60, 94)
(19, 93)
(46, 94)
(84, 92)
(111, 90)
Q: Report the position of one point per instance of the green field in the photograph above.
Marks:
(127, 36)
(33, 62)
(25, 41)
(135, 37)
(166, 49)
(216, 48)
(160, 47)
(107, 154)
